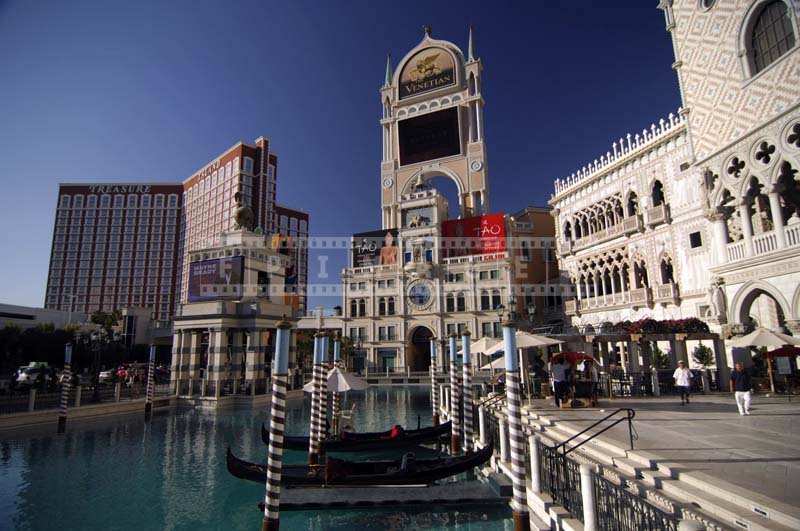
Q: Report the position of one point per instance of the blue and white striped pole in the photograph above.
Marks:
(434, 385)
(516, 437)
(66, 385)
(277, 422)
(336, 402)
(455, 398)
(313, 434)
(467, 390)
(323, 394)
(148, 397)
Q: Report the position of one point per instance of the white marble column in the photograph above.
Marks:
(777, 217)
(747, 226)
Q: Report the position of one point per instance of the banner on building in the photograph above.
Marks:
(377, 247)
(476, 235)
(218, 278)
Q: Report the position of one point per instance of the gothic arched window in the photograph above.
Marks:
(772, 35)
(390, 306)
(486, 301)
(658, 193)
(461, 302)
(381, 306)
(362, 307)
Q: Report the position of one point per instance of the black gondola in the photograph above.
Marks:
(404, 471)
(357, 442)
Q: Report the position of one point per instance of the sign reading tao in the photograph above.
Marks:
(429, 69)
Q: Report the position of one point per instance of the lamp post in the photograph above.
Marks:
(514, 415)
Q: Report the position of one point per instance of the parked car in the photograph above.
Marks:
(30, 376)
(107, 376)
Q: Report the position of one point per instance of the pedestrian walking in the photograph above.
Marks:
(558, 373)
(683, 381)
(741, 387)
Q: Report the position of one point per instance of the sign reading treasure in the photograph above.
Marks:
(430, 69)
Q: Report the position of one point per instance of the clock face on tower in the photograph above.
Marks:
(420, 294)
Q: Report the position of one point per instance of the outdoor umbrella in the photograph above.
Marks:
(481, 346)
(340, 382)
(763, 337)
(525, 340)
(573, 358)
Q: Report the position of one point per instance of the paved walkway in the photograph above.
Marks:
(760, 452)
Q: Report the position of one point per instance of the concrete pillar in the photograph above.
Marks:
(176, 362)
(588, 498)
(633, 357)
(536, 463)
(777, 216)
(747, 226)
(78, 393)
(32, 399)
(195, 357)
(721, 361)
(505, 452)
(720, 237)
(482, 428)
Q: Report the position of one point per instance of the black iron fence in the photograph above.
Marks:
(619, 510)
(561, 478)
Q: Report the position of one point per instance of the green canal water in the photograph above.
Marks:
(170, 474)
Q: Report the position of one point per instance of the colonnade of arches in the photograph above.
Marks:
(615, 272)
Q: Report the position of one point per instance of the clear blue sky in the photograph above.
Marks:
(150, 91)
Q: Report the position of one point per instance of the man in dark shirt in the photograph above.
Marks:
(741, 387)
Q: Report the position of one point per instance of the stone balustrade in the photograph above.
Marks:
(667, 293)
(764, 243)
(625, 226)
(657, 215)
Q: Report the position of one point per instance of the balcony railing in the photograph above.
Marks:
(657, 215)
(764, 243)
(641, 297)
(667, 293)
(571, 307)
(632, 224)
(566, 247)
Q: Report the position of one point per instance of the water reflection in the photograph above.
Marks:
(170, 474)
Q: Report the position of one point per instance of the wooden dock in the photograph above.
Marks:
(461, 493)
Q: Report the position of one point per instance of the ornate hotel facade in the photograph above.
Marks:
(699, 214)
(426, 274)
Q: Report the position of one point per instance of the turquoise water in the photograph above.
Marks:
(170, 474)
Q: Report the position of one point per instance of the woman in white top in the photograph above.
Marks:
(683, 381)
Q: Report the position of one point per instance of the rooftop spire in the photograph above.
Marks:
(470, 48)
(427, 29)
(388, 80)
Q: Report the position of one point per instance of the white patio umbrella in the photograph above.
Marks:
(340, 382)
(764, 337)
(524, 340)
(481, 346)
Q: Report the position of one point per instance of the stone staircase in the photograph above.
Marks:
(694, 495)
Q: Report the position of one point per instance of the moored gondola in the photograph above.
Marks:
(397, 437)
(404, 471)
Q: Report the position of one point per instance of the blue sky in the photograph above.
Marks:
(150, 91)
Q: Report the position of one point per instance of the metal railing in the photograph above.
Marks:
(619, 510)
(561, 477)
(564, 448)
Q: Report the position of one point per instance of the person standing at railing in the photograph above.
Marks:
(683, 381)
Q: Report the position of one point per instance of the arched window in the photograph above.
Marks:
(666, 271)
(486, 301)
(658, 193)
(382, 306)
(390, 306)
(362, 307)
(633, 204)
(771, 37)
(450, 303)
(567, 231)
(353, 308)
(461, 302)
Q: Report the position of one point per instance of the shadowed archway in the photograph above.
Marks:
(418, 350)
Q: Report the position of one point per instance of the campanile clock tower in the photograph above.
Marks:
(432, 125)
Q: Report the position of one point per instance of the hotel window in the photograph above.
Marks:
(77, 202)
(450, 303)
(65, 201)
(390, 306)
(159, 201)
(461, 302)
(105, 201)
(486, 300)
(173, 200)
(248, 165)
(526, 251)
(146, 201)
(91, 201)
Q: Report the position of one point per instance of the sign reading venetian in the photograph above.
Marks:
(430, 69)
(119, 188)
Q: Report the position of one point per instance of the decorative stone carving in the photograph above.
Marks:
(243, 214)
(717, 307)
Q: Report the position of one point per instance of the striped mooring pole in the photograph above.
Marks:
(516, 437)
(316, 382)
(336, 405)
(467, 391)
(434, 385)
(455, 399)
(277, 421)
(323, 395)
(66, 385)
(151, 385)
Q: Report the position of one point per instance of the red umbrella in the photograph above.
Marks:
(573, 358)
(784, 352)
